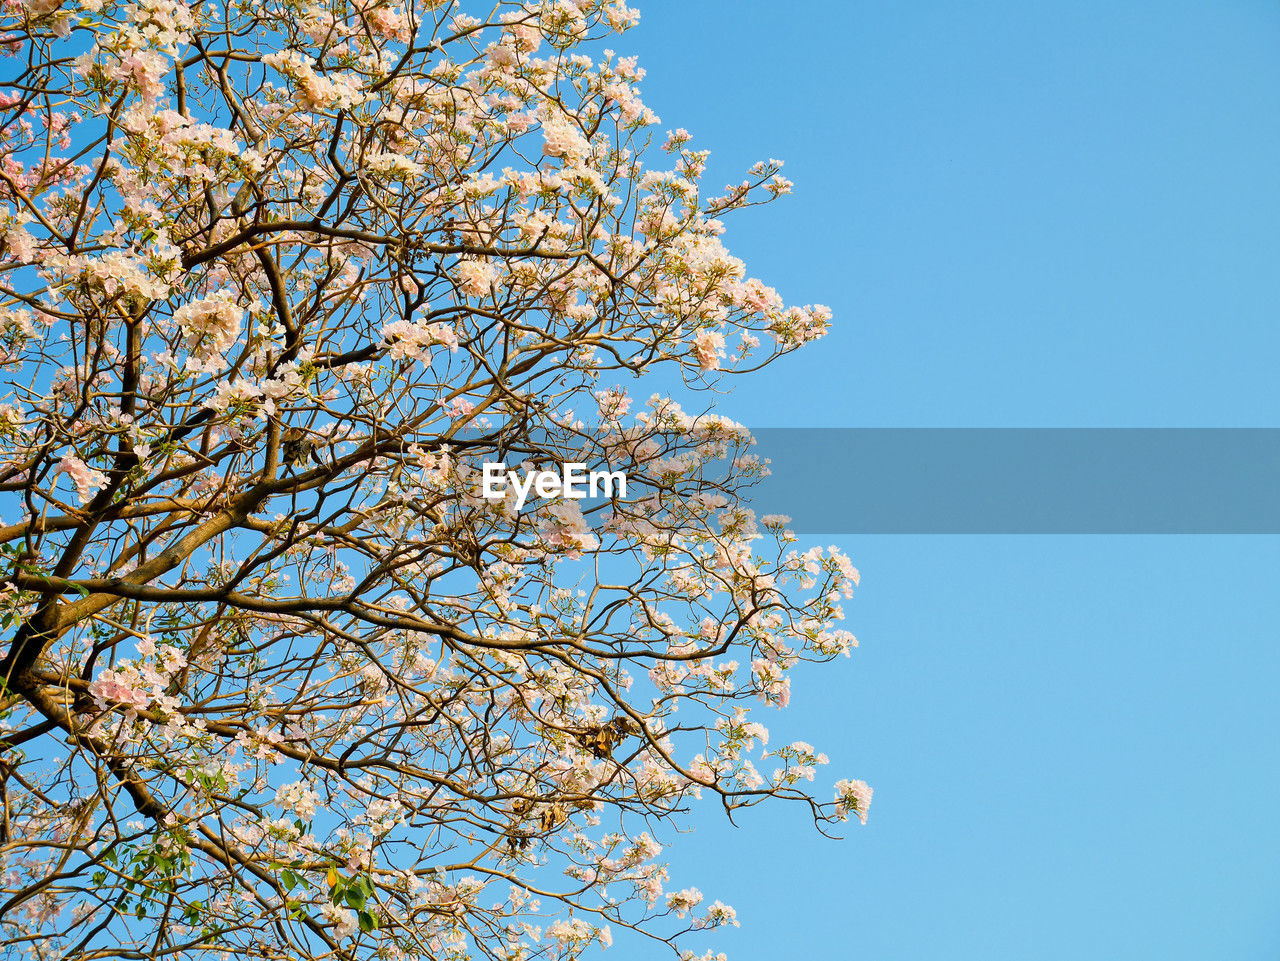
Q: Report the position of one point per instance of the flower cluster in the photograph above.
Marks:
(414, 341)
(211, 325)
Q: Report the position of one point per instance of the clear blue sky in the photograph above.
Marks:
(1024, 214)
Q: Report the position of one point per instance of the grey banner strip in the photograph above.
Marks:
(1022, 480)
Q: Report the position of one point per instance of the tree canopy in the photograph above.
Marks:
(277, 278)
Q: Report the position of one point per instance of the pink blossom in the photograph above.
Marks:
(563, 529)
(211, 325)
(409, 340)
(561, 138)
(771, 682)
(389, 22)
(120, 687)
(343, 921)
(298, 798)
(708, 346)
(458, 407)
(143, 70)
(87, 480)
(853, 796)
(475, 277)
(21, 244)
(681, 902)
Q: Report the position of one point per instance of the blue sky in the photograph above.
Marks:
(1023, 214)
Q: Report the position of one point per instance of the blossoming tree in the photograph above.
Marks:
(276, 277)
